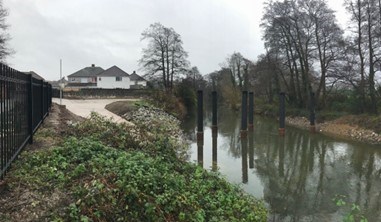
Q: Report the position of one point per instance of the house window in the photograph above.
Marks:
(118, 78)
(100, 78)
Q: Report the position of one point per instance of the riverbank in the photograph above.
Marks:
(361, 128)
(97, 170)
(340, 127)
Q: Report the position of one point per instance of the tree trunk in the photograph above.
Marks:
(271, 95)
(292, 93)
(172, 67)
(372, 92)
(321, 89)
(362, 63)
(163, 68)
(239, 75)
(299, 91)
(167, 59)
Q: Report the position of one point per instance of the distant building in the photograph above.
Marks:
(85, 78)
(137, 81)
(56, 84)
(112, 78)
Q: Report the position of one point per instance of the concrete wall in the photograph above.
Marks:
(88, 93)
(111, 83)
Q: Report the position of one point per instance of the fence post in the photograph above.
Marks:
(30, 108)
(42, 102)
(47, 99)
(3, 88)
(51, 97)
(312, 113)
(282, 114)
(251, 110)
(244, 115)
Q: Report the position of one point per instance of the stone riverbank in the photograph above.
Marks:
(338, 129)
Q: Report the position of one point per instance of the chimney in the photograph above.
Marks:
(92, 65)
(134, 72)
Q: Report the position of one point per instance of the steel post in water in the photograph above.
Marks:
(282, 114)
(281, 157)
(251, 149)
(214, 109)
(214, 150)
(245, 174)
(200, 118)
(312, 113)
(214, 131)
(244, 115)
(200, 154)
(251, 110)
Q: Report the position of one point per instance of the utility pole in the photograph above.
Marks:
(60, 82)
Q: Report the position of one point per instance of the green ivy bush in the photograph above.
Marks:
(109, 176)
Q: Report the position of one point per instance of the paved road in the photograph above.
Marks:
(85, 107)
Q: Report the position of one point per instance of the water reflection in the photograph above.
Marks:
(214, 148)
(251, 148)
(297, 175)
(245, 175)
(200, 154)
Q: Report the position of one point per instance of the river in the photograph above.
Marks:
(297, 175)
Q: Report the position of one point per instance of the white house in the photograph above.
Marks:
(97, 77)
(112, 78)
(137, 81)
(85, 75)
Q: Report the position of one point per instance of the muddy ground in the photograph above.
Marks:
(20, 203)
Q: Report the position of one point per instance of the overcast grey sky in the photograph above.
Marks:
(108, 32)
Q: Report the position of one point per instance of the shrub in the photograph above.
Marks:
(169, 103)
(186, 93)
(110, 184)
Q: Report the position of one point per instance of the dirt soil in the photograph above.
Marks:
(346, 127)
(20, 203)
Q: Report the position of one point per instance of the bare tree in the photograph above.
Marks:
(371, 17)
(355, 8)
(299, 34)
(196, 78)
(4, 35)
(329, 43)
(164, 54)
(366, 17)
(239, 69)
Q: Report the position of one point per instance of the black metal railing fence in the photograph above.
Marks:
(25, 101)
